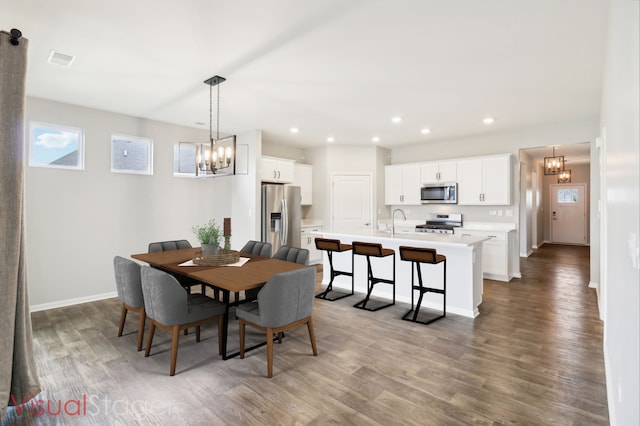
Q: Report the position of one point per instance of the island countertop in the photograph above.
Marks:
(409, 237)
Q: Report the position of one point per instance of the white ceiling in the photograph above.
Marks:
(328, 67)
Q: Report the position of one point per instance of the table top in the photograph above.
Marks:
(252, 274)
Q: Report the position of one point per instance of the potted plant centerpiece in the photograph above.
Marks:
(209, 237)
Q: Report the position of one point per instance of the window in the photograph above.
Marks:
(567, 196)
(131, 154)
(56, 146)
(184, 159)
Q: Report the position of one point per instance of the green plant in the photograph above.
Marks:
(208, 233)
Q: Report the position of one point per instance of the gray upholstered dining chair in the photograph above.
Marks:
(169, 307)
(258, 248)
(185, 282)
(284, 302)
(286, 253)
(129, 287)
(168, 245)
(293, 254)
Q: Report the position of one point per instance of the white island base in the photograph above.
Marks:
(464, 269)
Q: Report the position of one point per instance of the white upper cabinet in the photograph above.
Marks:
(484, 180)
(303, 177)
(277, 170)
(438, 172)
(402, 184)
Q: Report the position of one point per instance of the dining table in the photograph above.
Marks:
(226, 278)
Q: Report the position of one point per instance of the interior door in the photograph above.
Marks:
(351, 202)
(568, 213)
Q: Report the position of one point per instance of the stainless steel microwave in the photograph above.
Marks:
(439, 193)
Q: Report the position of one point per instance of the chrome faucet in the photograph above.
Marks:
(393, 220)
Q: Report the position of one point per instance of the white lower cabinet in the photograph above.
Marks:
(307, 241)
(496, 260)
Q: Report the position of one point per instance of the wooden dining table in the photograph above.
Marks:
(228, 279)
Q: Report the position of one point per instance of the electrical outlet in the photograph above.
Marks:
(492, 212)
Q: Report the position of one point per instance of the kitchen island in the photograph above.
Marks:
(464, 268)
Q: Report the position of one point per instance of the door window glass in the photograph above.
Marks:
(567, 196)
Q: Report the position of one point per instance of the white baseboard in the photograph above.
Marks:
(70, 302)
(593, 285)
(527, 254)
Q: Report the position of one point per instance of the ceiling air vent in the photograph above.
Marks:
(61, 59)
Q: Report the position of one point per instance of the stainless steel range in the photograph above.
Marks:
(439, 223)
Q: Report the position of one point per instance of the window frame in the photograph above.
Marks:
(133, 139)
(35, 126)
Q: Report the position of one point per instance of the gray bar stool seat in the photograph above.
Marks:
(334, 246)
(417, 256)
(370, 250)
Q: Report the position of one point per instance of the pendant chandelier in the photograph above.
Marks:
(564, 176)
(553, 165)
(215, 158)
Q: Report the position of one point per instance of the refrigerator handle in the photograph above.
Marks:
(285, 222)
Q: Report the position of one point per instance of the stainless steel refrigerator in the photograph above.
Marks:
(281, 215)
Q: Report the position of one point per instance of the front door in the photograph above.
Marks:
(568, 213)
(351, 202)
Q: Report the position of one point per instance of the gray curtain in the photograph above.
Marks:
(18, 375)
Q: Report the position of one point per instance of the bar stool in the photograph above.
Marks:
(374, 250)
(417, 256)
(334, 246)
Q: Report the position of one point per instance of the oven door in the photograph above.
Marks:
(439, 193)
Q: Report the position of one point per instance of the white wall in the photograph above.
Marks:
(342, 159)
(621, 196)
(76, 221)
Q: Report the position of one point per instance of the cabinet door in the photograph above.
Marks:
(494, 258)
(285, 171)
(469, 182)
(268, 171)
(497, 180)
(448, 171)
(411, 185)
(429, 172)
(307, 241)
(303, 177)
(393, 185)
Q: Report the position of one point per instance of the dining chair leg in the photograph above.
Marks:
(280, 334)
(242, 338)
(123, 317)
(141, 321)
(174, 348)
(197, 333)
(312, 336)
(152, 329)
(269, 352)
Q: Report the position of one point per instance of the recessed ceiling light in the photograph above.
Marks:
(61, 59)
(425, 131)
(330, 139)
(375, 139)
(488, 120)
(294, 130)
(396, 119)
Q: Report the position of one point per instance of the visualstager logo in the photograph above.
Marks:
(92, 405)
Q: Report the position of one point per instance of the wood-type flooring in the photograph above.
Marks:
(532, 357)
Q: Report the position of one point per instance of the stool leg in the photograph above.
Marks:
(333, 274)
(371, 281)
